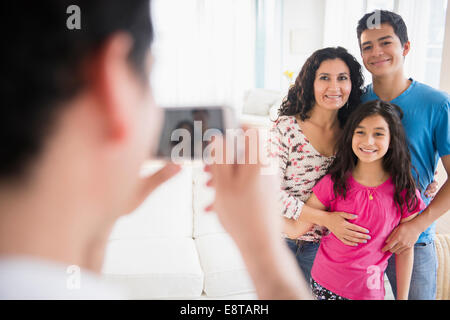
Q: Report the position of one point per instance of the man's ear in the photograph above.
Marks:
(112, 85)
(406, 48)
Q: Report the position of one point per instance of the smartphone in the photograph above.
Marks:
(187, 130)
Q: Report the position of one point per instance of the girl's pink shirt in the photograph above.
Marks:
(357, 272)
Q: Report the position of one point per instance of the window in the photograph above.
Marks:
(371, 5)
(204, 51)
(435, 42)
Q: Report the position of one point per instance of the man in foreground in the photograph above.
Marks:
(78, 120)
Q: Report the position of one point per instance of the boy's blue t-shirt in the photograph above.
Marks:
(426, 119)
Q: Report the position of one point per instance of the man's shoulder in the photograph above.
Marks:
(430, 95)
(30, 278)
(420, 93)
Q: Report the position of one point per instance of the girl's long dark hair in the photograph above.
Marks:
(300, 98)
(396, 161)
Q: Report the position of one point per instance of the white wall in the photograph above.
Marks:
(445, 84)
(303, 22)
(445, 75)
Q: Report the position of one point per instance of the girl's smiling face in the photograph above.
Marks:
(371, 139)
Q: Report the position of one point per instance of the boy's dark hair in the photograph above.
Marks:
(43, 60)
(396, 161)
(300, 98)
(389, 17)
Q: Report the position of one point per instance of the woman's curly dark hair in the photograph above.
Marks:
(300, 98)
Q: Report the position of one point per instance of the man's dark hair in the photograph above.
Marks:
(42, 65)
(300, 99)
(391, 18)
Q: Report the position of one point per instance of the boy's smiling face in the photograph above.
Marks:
(382, 52)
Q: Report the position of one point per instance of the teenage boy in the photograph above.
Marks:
(384, 47)
(78, 119)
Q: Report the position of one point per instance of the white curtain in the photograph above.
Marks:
(341, 19)
(273, 44)
(204, 51)
(416, 14)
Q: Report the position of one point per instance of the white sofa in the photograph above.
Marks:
(169, 248)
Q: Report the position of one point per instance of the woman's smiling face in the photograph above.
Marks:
(332, 85)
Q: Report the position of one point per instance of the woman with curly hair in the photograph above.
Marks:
(303, 138)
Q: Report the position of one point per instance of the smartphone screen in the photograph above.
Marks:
(186, 129)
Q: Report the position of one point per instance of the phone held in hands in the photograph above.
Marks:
(187, 131)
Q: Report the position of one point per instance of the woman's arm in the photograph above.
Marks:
(295, 228)
(278, 150)
(349, 233)
(294, 209)
(404, 263)
(406, 235)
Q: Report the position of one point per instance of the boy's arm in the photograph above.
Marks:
(406, 234)
(440, 204)
(403, 264)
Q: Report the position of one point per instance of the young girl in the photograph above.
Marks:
(371, 178)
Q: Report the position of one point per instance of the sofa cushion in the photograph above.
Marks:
(442, 243)
(259, 101)
(223, 267)
(162, 267)
(166, 212)
(242, 296)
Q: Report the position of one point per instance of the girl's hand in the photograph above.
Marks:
(349, 233)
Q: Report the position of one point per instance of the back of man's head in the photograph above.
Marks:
(45, 44)
(377, 17)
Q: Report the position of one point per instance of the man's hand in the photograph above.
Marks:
(245, 200)
(148, 184)
(402, 237)
(247, 206)
(349, 233)
(432, 188)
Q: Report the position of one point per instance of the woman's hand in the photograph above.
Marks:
(349, 233)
